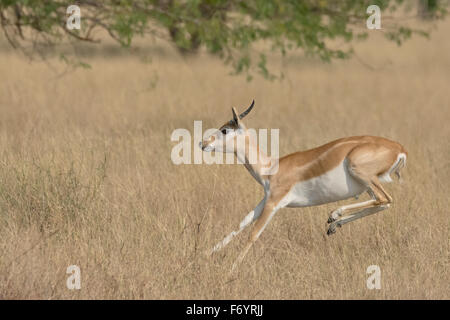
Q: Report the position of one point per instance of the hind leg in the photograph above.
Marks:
(361, 214)
(365, 165)
(336, 214)
(381, 200)
(376, 192)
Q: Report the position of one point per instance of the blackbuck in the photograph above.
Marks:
(335, 171)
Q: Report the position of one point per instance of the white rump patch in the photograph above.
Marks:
(399, 163)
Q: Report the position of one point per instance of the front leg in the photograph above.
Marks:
(271, 207)
(249, 218)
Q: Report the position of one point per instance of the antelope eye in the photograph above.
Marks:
(224, 131)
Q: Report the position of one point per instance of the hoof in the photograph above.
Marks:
(331, 230)
(334, 215)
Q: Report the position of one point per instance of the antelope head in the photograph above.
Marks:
(224, 139)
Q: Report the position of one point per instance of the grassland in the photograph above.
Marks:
(86, 176)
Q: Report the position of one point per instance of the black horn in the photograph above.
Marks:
(243, 114)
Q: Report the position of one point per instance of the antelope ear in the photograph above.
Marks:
(235, 116)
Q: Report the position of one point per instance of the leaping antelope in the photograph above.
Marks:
(335, 171)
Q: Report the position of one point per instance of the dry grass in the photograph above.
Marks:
(86, 177)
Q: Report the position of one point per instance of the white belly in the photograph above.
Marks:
(337, 184)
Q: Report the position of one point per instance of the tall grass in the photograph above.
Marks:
(86, 177)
